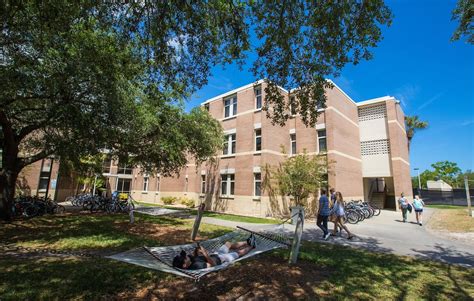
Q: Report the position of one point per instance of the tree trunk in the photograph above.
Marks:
(7, 190)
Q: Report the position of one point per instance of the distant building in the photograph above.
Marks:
(365, 140)
(438, 185)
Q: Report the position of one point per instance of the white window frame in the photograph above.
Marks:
(123, 179)
(232, 105)
(256, 137)
(292, 107)
(291, 144)
(203, 184)
(146, 183)
(258, 98)
(229, 179)
(255, 181)
(231, 140)
(158, 178)
(320, 138)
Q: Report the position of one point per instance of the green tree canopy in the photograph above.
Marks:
(464, 13)
(80, 76)
(447, 171)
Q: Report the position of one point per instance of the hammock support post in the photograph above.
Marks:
(197, 221)
(295, 247)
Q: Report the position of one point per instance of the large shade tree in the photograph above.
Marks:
(79, 76)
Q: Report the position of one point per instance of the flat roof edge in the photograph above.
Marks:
(234, 91)
(376, 100)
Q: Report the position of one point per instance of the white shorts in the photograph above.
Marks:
(225, 255)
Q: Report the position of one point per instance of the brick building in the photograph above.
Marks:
(365, 140)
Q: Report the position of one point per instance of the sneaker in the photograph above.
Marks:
(249, 240)
(421, 224)
(252, 241)
(326, 236)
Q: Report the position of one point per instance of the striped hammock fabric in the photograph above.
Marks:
(156, 211)
(161, 258)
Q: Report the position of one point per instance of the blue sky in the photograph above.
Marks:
(415, 62)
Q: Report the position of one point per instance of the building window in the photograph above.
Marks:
(203, 184)
(229, 144)
(158, 183)
(227, 184)
(293, 144)
(258, 98)
(258, 139)
(257, 184)
(123, 185)
(322, 141)
(124, 169)
(186, 183)
(44, 181)
(230, 106)
(206, 107)
(45, 174)
(292, 105)
(146, 180)
(106, 165)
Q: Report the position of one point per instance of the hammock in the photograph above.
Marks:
(161, 258)
(156, 211)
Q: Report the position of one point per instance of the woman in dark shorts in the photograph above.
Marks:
(418, 205)
(201, 259)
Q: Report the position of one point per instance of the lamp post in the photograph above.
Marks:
(419, 180)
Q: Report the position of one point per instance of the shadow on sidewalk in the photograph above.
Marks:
(447, 255)
(368, 243)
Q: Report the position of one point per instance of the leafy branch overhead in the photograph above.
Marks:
(80, 76)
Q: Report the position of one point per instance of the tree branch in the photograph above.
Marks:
(32, 159)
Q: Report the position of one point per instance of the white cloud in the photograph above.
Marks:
(406, 93)
(429, 101)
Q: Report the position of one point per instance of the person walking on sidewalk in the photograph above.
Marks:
(403, 205)
(338, 211)
(333, 218)
(323, 214)
(418, 205)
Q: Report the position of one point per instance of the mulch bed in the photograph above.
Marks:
(260, 278)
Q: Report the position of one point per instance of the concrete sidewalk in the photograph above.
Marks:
(385, 233)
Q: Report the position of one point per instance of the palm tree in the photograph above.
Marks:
(413, 124)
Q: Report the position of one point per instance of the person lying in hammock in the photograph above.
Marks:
(201, 259)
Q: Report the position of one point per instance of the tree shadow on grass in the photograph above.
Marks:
(100, 231)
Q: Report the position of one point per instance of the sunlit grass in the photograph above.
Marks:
(346, 273)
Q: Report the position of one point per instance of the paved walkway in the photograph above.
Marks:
(388, 234)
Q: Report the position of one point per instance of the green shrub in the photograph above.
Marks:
(169, 200)
(187, 202)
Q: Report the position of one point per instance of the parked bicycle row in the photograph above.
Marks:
(359, 210)
(31, 206)
(95, 203)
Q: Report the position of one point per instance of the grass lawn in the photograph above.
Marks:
(451, 219)
(323, 271)
(223, 216)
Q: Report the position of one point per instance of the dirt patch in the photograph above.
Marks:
(260, 278)
(172, 235)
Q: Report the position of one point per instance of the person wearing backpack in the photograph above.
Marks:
(418, 204)
(403, 205)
